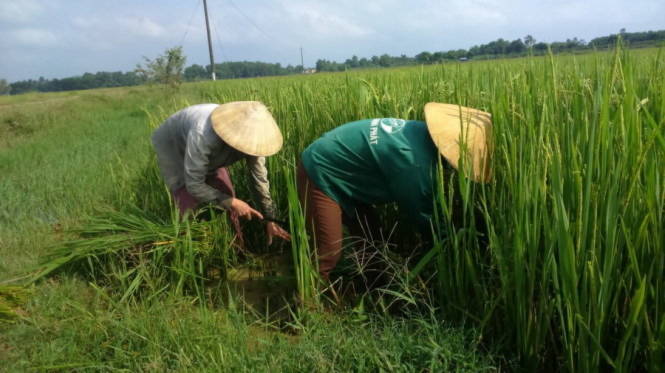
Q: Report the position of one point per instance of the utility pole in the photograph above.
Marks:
(212, 59)
(302, 63)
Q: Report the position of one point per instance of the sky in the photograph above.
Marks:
(60, 38)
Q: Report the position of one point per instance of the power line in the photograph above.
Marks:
(219, 42)
(265, 34)
(189, 24)
(218, 34)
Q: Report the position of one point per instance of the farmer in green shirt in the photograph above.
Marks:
(384, 160)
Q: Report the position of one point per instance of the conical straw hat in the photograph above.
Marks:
(458, 130)
(247, 126)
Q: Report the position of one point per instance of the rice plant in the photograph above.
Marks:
(560, 260)
(304, 259)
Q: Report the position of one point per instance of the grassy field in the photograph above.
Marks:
(558, 264)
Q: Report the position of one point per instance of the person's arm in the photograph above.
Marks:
(260, 186)
(197, 155)
(257, 174)
(197, 158)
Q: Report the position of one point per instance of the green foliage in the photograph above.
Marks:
(100, 79)
(304, 261)
(632, 38)
(11, 297)
(240, 69)
(165, 69)
(5, 88)
(559, 260)
(568, 258)
(140, 254)
(496, 49)
(81, 328)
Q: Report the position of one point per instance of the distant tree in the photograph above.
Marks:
(473, 51)
(404, 60)
(322, 65)
(516, 46)
(540, 47)
(529, 41)
(5, 88)
(195, 72)
(424, 57)
(166, 69)
(352, 62)
(173, 62)
(437, 57)
(456, 54)
(384, 60)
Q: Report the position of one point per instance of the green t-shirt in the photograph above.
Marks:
(376, 161)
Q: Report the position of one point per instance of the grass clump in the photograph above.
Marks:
(11, 298)
(172, 334)
(139, 253)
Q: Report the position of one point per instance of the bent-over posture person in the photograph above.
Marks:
(196, 145)
(378, 161)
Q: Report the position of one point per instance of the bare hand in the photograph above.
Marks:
(244, 210)
(274, 230)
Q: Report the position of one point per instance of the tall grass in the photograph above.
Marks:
(304, 261)
(574, 265)
(559, 259)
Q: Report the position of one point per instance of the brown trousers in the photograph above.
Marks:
(326, 219)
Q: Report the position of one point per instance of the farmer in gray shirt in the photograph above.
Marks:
(196, 145)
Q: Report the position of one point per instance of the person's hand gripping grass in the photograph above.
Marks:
(246, 211)
(274, 230)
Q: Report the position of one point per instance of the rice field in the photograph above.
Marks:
(558, 264)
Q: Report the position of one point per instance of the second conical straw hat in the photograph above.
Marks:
(457, 131)
(247, 126)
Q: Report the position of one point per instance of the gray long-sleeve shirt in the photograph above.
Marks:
(188, 150)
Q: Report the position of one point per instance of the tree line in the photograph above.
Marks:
(100, 79)
(168, 68)
(496, 49)
(154, 71)
(240, 69)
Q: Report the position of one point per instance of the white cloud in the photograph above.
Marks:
(85, 22)
(32, 37)
(141, 26)
(457, 14)
(309, 19)
(325, 23)
(102, 34)
(19, 11)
